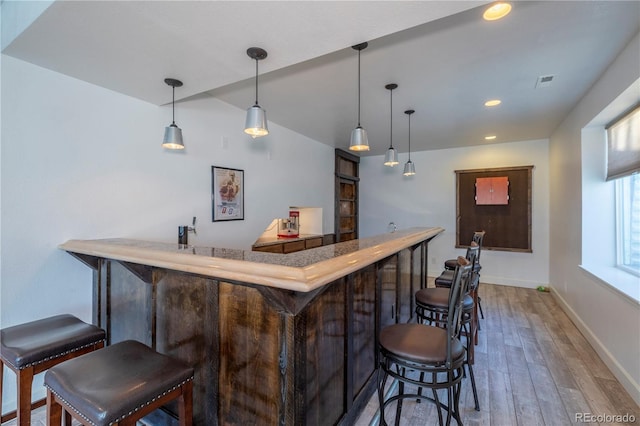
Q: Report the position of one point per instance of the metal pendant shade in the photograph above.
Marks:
(359, 140)
(409, 167)
(391, 157)
(256, 123)
(173, 133)
(173, 137)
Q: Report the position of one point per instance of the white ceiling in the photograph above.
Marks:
(445, 59)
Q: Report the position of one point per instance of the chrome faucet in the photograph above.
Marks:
(183, 232)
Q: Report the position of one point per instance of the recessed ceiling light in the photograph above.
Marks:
(493, 102)
(490, 137)
(497, 11)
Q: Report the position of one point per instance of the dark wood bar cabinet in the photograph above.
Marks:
(274, 339)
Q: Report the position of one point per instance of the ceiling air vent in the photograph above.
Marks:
(544, 81)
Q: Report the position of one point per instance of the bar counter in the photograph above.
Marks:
(275, 339)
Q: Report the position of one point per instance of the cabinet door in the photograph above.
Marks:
(405, 287)
(346, 196)
(483, 191)
(272, 248)
(312, 243)
(347, 210)
(293, 246)
(500, 190)
(388, 292)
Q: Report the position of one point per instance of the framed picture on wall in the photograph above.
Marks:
(227, 193)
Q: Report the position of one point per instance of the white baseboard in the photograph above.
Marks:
(610, 361)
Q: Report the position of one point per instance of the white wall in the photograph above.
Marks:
(598, 248)
(606, 317)
(79, 161)
(429, 199)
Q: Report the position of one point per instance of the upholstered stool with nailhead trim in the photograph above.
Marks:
(118, 385)
(36, 346)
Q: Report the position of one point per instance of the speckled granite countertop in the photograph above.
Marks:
(300, 271)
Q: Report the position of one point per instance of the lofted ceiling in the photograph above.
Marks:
(446, 60)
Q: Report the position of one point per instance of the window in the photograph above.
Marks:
(623, 166)
(628, 223)
(610, 209)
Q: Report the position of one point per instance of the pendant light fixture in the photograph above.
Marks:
(359, 140)
(409, 168)
(173, 133)
(256, 123)
(391, 157)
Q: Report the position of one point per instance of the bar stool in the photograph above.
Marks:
(118, 385)
(450, 265)
(36, 346)
(477, 238)
(426, 357)
(446, 277)
(432, 308)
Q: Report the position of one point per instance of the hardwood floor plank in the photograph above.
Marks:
(574, 403)
(553, 410)
(557, 366)
(621, 400)
(507, 321)
(497, 356)
(526, 408)
(517, 302)
(501, 404)
(467, 403)
(593, 394)
(532, 352)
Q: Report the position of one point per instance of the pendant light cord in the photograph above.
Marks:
(391, 121)
(173, 106)
(359, 87)
(256, 81)
(409, 137)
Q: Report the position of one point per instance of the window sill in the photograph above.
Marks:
(622, 282)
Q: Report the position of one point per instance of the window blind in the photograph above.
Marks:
(623, 146)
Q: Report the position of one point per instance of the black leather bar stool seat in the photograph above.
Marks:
(444, 280)
(36, 346)
(118, 385)
(438, 298)
(416, 343)
(432, 307)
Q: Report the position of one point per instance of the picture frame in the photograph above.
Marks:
(227, 194)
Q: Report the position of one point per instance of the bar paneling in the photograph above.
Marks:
(274, 339)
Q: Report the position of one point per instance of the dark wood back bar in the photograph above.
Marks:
(263, 354)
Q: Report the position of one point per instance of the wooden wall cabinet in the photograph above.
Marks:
(346, 196)
(492, 191)
(284, 246)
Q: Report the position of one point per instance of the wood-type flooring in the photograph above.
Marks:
(533, 367)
